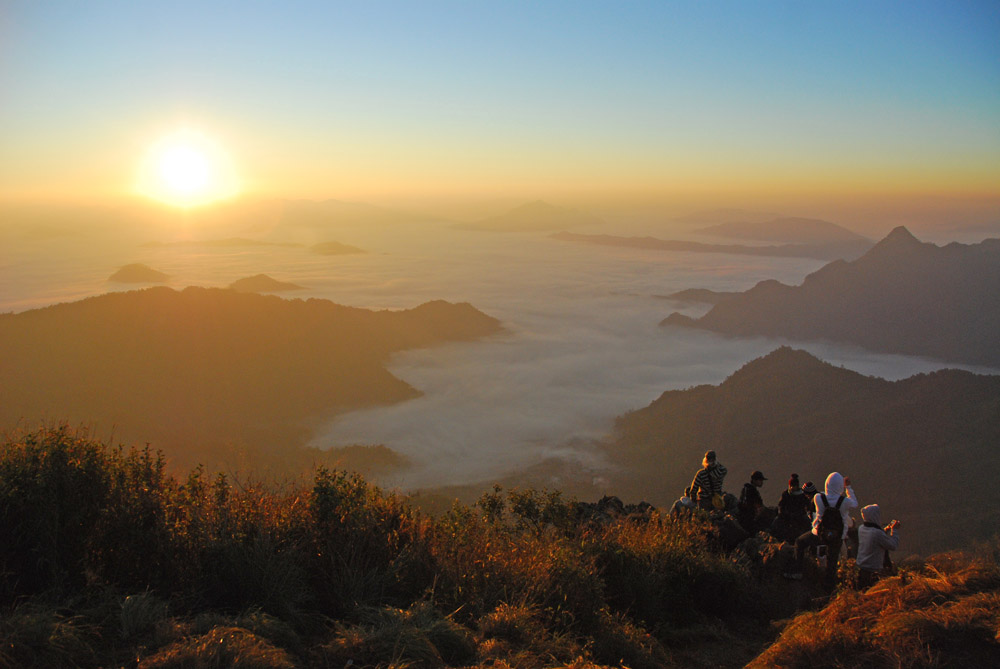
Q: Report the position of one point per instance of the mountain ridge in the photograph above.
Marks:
(903, 296)
(788, 412)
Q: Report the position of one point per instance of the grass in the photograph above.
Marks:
(112, 561)
(942, 613)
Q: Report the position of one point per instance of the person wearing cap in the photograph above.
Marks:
(793, 512)
(708, 481)
(751, 502)
(809, 490)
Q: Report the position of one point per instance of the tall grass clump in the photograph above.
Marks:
(367, 548)
(660, 572)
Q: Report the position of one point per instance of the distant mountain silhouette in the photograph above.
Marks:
(917, 446)
(228, 242)
(195, 369)
(138, 273)
(334, 249)
(726, 216)
(535, 216)
(321, 213)
(824, 251)
(791, 230)
(700, 295)
(903, 296)
(262, 283)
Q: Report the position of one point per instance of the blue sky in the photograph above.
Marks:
(355, 98)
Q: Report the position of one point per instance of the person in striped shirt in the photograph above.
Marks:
(708, 481)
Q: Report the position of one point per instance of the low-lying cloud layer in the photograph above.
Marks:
(582, 342)
(583, 346)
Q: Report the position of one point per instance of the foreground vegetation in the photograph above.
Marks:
(110, 561)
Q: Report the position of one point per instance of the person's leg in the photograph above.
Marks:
(866, 579)
(832, 557)
(802, 544)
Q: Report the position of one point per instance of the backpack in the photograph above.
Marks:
(831, 523)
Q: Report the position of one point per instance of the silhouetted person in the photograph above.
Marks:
(685, 504)
(828, 529)
(874, 544)
(809, 490)
(708, 482)
(751, 502)
(793, 512)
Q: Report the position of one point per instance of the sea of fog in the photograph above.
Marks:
(582, 341)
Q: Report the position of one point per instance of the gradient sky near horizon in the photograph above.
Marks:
(362, 100)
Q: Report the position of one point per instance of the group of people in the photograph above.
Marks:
(812, 520)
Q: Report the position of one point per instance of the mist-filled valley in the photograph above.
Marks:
(579, 343)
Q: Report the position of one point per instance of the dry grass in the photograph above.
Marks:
(945, 613)
(230, 647)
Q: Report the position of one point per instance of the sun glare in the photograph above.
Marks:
(187, 169)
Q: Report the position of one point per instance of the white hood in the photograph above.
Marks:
(872, 514)
(834, 485)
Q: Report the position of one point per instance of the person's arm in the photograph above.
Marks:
(817, 502)
(852, 501)
(889, 540)
(696, 486)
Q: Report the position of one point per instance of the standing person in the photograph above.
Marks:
(708, 482)
(874, 544)
(829, 527)
(751, 502)
(793, 512)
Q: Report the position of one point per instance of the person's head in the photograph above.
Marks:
(709, 459)
(793, 485)
(834, 484)
(809, 488)
(758, 478)
(871, 514)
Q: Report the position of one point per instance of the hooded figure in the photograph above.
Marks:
(834, 489)
(873, 543)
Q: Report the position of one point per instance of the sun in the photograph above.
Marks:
(185, 168)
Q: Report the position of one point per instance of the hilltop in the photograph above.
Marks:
(903, 296)
(196, 369)
(110, 561)
(792, 230)
(138, 273)
(262, 283)
(537, 216)
(908, 445)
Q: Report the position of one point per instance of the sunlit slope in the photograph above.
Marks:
(903, 296)
(210, 366)
(915, 446)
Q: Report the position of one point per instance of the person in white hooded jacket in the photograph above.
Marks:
(873, 543)
(837, 486)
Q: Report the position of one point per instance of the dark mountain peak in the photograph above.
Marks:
(782, 360)
(899, 241)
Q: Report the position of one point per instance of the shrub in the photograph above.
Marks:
(367, 548)
(661, 572)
